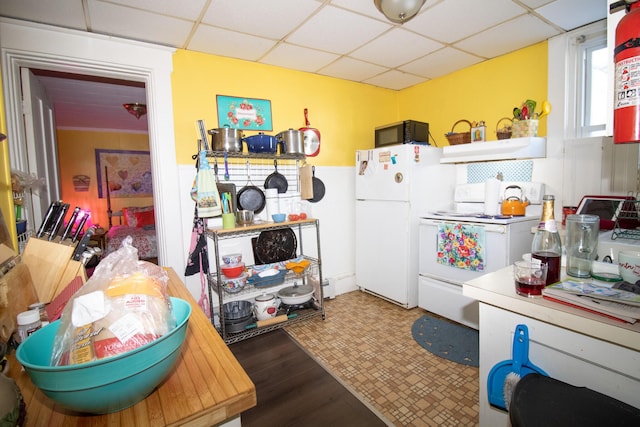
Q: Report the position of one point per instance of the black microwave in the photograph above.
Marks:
(405, 132)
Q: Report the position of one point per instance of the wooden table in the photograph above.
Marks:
(207, 386)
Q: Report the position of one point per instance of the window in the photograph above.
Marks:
(592, 64)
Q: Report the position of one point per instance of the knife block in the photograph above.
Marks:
(51, 266)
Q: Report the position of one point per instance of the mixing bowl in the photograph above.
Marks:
(235, 284)
(244, 217)
(105, 385)
(232, 270)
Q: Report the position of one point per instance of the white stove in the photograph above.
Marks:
(461, 243)
(608, 248)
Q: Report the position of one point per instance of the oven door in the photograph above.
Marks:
(495, 251)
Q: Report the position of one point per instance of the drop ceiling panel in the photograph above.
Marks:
(136, 24)
(396, 47)
(63, 13)
(190, 9)
(229, 43)
(440, 63)
(394, 80)
(523, 31)
(336, 30)
(565, 14)
(450, 21)
(273, 19)
(298, 58)
(352, 69)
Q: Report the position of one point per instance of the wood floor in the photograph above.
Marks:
(293, 389)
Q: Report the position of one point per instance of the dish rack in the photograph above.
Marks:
(627, 225)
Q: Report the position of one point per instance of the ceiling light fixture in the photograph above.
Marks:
(136, 109)
(399, 11)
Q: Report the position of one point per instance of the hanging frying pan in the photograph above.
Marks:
(250, 197)
(311, 137)
(276, 180)
(318, 187)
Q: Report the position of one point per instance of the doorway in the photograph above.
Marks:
(50, 48)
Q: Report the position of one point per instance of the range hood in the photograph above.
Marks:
(503, 149)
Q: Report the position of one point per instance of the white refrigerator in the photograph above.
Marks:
(394, 186)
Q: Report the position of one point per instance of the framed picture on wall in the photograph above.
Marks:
(244, 113)
(127, 172)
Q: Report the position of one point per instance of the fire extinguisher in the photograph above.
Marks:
(626, 109)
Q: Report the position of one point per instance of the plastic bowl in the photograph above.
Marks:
(232, 270)
(232, 258)
(106, 385)
(279, 217)
(234, 284)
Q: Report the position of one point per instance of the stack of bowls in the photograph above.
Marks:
(234, 277)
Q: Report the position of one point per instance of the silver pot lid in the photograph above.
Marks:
(265, 297)
(296, 291)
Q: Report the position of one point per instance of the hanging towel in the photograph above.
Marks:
(207, 196)
(198, 261)
(461, 246)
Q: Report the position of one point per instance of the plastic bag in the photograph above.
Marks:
(123, 306)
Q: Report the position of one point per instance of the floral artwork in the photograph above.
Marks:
(461, 246)
(128, 173)
(244, 113)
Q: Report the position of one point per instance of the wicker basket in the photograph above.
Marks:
(505, 131)
(459, 137)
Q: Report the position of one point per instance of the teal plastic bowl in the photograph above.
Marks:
(106, 385)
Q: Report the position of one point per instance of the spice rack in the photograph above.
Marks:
(314, 277)
(628, 220)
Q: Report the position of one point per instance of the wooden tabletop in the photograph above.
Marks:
(206, 386)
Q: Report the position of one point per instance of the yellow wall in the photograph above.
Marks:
(76, 156)
(346, 113)
(487, 91)
(6, 196)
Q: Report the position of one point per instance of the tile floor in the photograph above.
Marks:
(366, 342)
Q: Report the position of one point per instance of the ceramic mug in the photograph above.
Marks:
(629, 265)
(266, 306)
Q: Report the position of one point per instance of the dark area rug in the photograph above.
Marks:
(446, 339)
(293, 389)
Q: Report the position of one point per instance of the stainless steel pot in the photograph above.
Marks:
(292, 141)
(226, 139)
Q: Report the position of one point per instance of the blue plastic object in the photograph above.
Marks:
(279, 217)
(106, 385)
(520, 364)
(262, 282)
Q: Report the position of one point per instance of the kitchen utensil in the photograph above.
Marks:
(109, 384)
(232, 258)
(82, 245)
(235, 310)
(311, 137)
(270, 277)
(226, 167)
(233, 326)
(261, 143)
(296, 294)
(276, 180)
(292, 141)
(266, 306)
(62, 211)
(514, 205)
(203, 136)
(235, 284)
(72, 220)
(318, 187)
(306, 182)
(275, 246)
(232, 270)
(250, 197)
(46, 222)
(83, 220)
(226, 139)
(244, 217)
(279, 217)
(278, 319)
(519, 364)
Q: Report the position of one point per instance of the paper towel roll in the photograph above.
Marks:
(492, 196)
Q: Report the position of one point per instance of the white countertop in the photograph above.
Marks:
(498, 289)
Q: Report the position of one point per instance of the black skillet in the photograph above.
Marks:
(276, 180)
(318, 187)
(250, 197)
